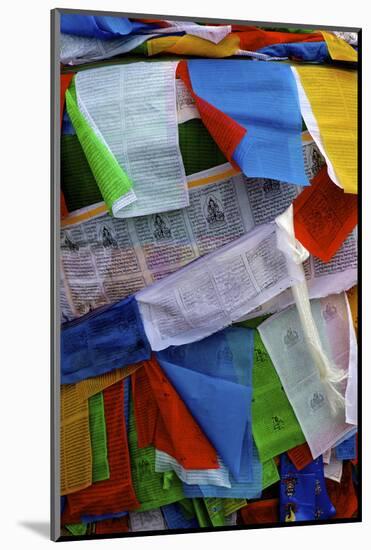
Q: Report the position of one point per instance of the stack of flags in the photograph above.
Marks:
(208, 280)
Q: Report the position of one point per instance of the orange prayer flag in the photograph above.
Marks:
(300, 456)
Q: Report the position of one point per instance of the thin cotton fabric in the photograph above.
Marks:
(76, 451)
(328, 101)
(175, 518)
(275, 426)
(262, 511)
(347, 449)
(78, 183)
(193, 45)
(153, 489)
(64, 83)
(98, 436)
(217, 399)
(213, 476)
(283, 337)
(263, 99)
(116, 493)
(131, 108)
(108, 338)
(253, 38)
(324, 216)
(343, 494)
(301, 51)
(91, 386)
(248, 486)
(300, 456)
(113, 182)
(339, 49)
(103, 27)
(110, 526)
(324, 508)
(77, 50)
(167, 422)
(226, 131)
(297, 498)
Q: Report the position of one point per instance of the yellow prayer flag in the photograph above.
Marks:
(339, 50)
(352, 295)
(193, 45)
(76, 456)
(332, 94)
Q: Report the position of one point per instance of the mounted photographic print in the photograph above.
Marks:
(205, 275)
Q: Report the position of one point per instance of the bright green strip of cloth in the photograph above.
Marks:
(219, 508)
(270, 473)
(79, 186)
(201, 512)
(98, 437)
(77, 528)
(215, 509)
(274, 424)
(112, 181)
(153, 489)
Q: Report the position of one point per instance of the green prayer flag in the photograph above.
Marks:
(199, 150)
(112, 181)
(274, 424)
(270, 473)
(201, 512)
(187, 508)
(98, 438)
(219, 508)
(214, 507)
(78, 183)
(77, 528)
(153, 489)
(231, 505)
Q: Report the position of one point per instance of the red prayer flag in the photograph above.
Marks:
(65, 82)
(115, 494)
(225, 131)
(145, 408)
(109, 526)
(343, 495)
(64, 210)
(324, 216)
(300, 456)
(252, 38)
(261, 511)
(162, 419)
